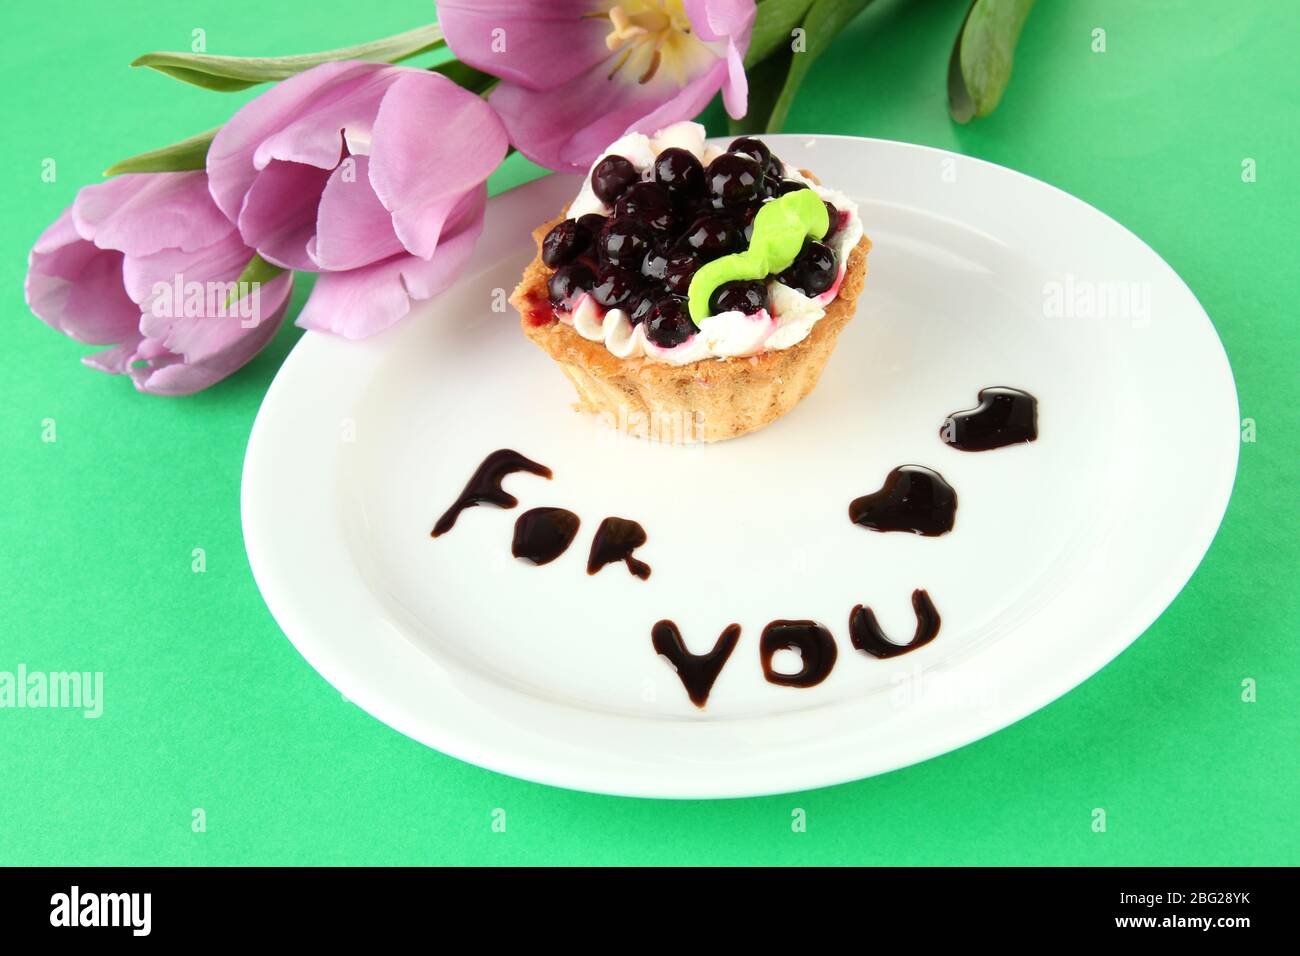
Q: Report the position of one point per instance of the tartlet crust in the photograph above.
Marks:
(720, 398)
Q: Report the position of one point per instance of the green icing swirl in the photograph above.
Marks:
(780, 229)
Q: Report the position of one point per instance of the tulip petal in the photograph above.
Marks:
(537, 45)
(114, 361)
(168, 314)
(353, 228)
(735, 91)
(199, 352)
(278, 217)
(425, 279)
(422, 170)
(316, 135)
(140, 213)
(722, 19)
(689, 101)
(361, 302)
(562, 106)
(200, 338)
(170, 286)
(76, 288)
(230, 163)
(566, 128)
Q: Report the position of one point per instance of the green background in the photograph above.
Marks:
(208, 705)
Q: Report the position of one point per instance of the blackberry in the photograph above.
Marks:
(569, 282)
(834, 227)
(593, 222)
(709, 237)
(755, 148)
(669, 323)
(679, 272)
(641, 308)
(624, 242)
(564, 243)
(745, 221)
(611, 178)
(748, 297)
(649, 203)
(813, 271)
(655, 265)
(678, 171)
(615, 287)
(734, 178)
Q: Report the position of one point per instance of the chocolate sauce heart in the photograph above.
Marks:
(913, 498)
(1004, 416)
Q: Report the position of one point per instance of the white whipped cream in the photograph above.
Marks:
(729, 334)
(640, 150)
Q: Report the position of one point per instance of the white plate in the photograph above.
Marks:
(1064, 550)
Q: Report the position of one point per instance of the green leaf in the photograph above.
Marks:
(258, 270)
(772, 28)
(187, 154)
(980, 65)
(462, 74)
(229, 73)
(825, 19)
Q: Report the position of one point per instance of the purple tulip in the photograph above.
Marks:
(578, 74)
(371, 175)
(148, 264)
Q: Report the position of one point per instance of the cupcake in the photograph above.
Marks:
(691, 293)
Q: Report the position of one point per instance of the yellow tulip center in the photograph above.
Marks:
(652, 37)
